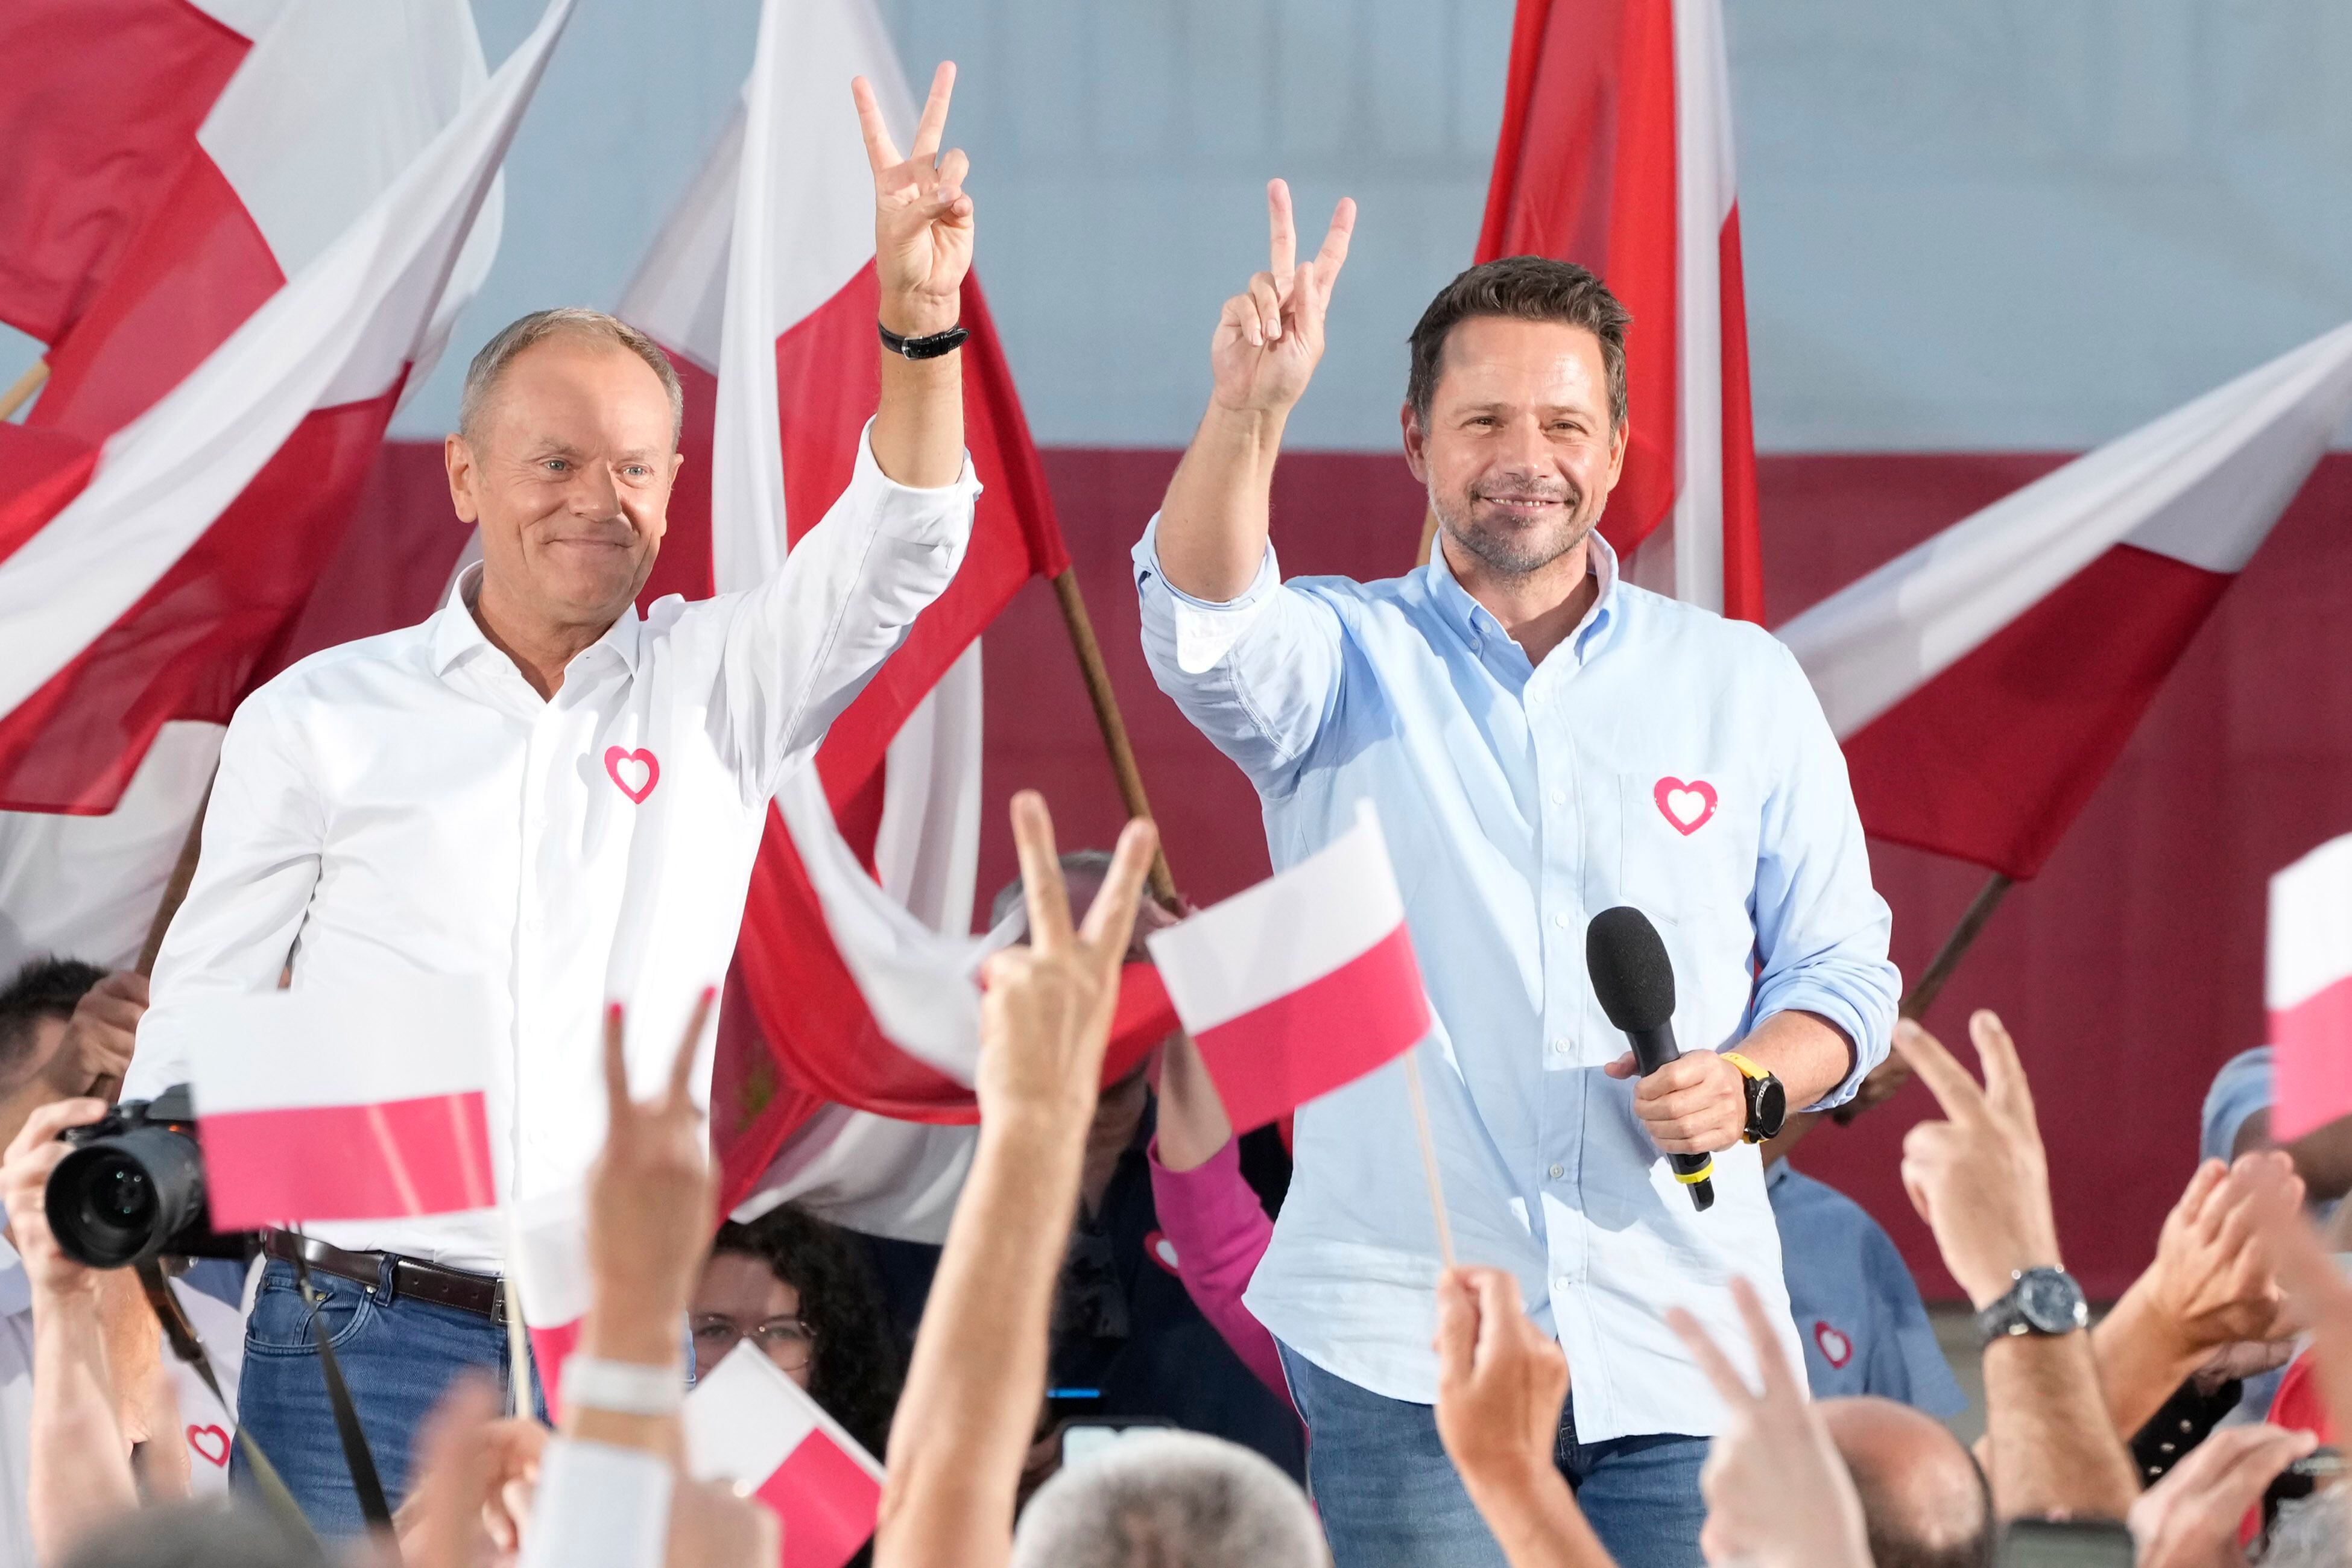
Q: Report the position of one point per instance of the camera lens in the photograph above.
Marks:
(118, 1200)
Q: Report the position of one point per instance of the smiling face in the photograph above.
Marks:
(568, 469)
(1519, 451)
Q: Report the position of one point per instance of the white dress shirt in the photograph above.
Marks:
(16, 1410)
(408, 805)
(1520, 800)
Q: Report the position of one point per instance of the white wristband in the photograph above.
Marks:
(622, 1387)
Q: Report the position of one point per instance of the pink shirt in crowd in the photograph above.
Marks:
(1218, 1231)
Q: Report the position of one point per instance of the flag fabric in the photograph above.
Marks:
(327, 1106)
(1983, 682)
(749, 1425)
(1616, 153)
(856, 960)
(1302, 983)
(550, 1269)
(2308, 990)
(98, 110)
(189, 470)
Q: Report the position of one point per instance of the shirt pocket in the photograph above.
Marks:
(1688, 854)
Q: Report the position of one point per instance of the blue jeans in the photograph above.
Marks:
(399, 1356)
(1390, 1498)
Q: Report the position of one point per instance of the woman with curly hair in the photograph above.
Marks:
(803, 1292)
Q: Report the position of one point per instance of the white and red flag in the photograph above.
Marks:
(856, 960)
(97, 109)
(171, 166)
(1983, 682)
(1302, 983)
(551, 1266)
(2308, 990)
(313, 1105)
(1616, 153)
(748, 1424)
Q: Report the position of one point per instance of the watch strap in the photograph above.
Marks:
(2007, 1318)
(622, 1387)
(930, 347)
(1757, 1077)
(1747, 1068)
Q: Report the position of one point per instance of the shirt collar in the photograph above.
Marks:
(1474, 622)
(456, 633)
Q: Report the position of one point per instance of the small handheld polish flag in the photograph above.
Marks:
(2309, 989)
(1302, 983)
(550, 1258)
(748, 1424)
(323, 1105)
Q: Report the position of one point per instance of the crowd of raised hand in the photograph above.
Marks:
(2239, 1280)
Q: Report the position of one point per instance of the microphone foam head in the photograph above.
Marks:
(1631, 975)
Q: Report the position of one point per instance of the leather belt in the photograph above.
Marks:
(482, 1294)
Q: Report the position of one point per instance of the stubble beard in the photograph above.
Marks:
(1511, 552)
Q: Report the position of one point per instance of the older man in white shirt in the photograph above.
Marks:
(1544, 741)
(542, 785)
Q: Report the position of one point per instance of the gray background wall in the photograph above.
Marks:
(1980, 223)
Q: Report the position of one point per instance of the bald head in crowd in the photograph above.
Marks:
(1170, 1499)
(1924, 1501)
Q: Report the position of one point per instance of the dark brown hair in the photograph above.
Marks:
(855, 1371)
(1521, 289)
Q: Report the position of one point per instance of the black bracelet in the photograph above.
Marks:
(933, 347)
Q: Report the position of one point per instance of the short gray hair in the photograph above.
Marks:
(574, 320)
(1170, 1499)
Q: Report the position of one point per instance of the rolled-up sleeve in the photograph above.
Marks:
(1820, 927)
(801, 645)
(1258, 674)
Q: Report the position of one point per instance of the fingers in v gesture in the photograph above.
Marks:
(1270, 336)
(922, 217)
(1046, 1012)
(653, 1195)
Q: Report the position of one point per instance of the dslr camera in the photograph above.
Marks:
(134, 1188)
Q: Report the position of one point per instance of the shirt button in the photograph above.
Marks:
(1558, 1171)
(1560, 798)
(1561, 919)
(1560, 1048)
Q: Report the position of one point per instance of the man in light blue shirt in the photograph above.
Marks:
(1542, 741)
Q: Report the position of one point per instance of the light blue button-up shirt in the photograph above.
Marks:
(1662, 757)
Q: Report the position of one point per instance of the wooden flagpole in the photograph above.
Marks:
(175, 889)
(20, 394)
(1428, 536)
(1930, 983)
(1107, 716)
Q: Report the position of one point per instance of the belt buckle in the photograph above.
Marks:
(499, 1303)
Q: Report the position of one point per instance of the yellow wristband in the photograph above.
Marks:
(1747, 1069)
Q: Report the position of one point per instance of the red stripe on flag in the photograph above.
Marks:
(1585, 172)
(99, 105)
(45, 470)
(430, 1155)
(193, 646)
(550, 1348)
(198, 267)
(1327, 1034)
(1743, 541)
(828, 1502)
(2311, 1066)
(1991, 760)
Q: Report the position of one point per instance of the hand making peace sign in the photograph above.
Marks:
(1271, 334)
(922, 219)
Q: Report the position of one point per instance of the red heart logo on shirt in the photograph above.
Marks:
(1835, 1346)
(1687, 806)
(624, 767)
(1162, 1251)
(197, 1437)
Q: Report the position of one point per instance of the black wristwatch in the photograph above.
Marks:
(931, 347)
(2039, 1301)
(1768, 1101)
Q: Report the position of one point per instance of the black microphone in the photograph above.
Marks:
(1634, 982)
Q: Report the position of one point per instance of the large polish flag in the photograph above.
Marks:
(99, 107)
(2308, 989)
(1302, 983)
(388, 1119)
(850, 1028)
(1616, 153)
(749, 1424)
(1983, 682)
